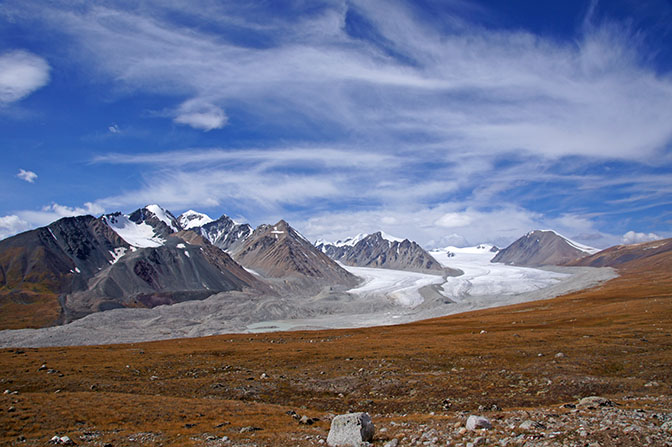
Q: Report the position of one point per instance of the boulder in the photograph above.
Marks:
(478, 422)
(350, 430)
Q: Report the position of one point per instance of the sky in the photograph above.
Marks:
(448, 122)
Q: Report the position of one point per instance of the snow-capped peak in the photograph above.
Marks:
(163, 215)
(390, 238)
(353, 240)
(192, 219)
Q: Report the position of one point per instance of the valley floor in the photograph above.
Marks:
(418, 381)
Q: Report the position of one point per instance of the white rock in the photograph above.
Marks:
(477, 422)
(350, 429)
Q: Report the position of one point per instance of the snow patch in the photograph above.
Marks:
(181, 245)
(117, 254)
(139, 235)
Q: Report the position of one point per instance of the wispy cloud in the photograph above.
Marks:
(490, 91)
(28, 176)
(21, 73)
(443, 126)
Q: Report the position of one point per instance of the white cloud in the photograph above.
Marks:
(21, 73)
(56, 211)
(199, 115)
(114, 128)
(28, 176)
(11, 225)
(452, 220)
(632, 237)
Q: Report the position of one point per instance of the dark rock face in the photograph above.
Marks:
(375, 250)
(57, 253)
(147, 277)
(539, 248)
(279, 251)
(225, 233)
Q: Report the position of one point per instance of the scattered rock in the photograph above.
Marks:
(478, 422)
(560, 355)
(392, 443)
(529, 425)
(594, 402)
(250, 429)
(305, 420)
(61, 440)
(350, 430)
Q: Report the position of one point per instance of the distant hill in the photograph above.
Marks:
(542, 247)
(626, 255)
(381, 251)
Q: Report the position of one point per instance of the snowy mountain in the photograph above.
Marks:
(192, 219)
(382, 251)
(144, 227)
(542, 247)
(279, 251)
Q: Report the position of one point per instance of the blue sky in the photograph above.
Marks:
(448, 122)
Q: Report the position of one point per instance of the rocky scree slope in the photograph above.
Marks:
(376, 250)
(280, 252)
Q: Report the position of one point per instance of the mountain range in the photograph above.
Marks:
(81, 265)
(380, 250)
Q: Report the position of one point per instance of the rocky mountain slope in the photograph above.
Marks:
(79, 265)
(542, 247)
(278, 251)
(38, 265)
(381, 251)
(225, 233)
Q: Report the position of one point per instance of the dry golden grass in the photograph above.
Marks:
(615, 339)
